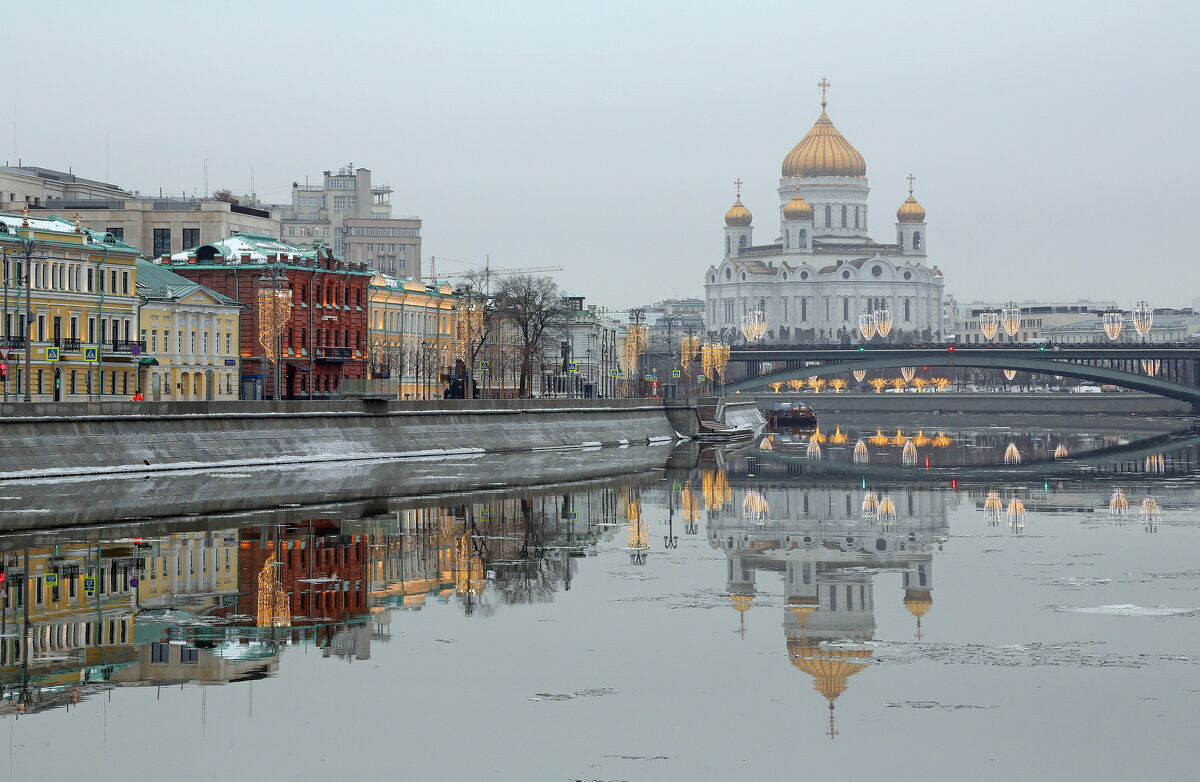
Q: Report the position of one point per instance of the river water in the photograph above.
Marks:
(953, 598)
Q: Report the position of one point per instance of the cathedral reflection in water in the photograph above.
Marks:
(827, 544)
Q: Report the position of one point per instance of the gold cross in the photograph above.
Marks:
(738, 183)
(824, 85)
(910, 179)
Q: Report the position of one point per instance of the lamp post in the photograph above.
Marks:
(274, 310)
(27, 251)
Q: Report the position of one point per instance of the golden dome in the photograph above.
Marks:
(824, 152)
(797, 209)
(830, 668)
(741, 602)
(738, 214)
(918, 601)
(910, 211)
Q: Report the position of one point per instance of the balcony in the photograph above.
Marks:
(127, 346)
(67, 344)
(333, 354)
(13, 343)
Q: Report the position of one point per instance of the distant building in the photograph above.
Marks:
(192, 334)
(581, 361)
(411, 328)
(347, 211)
(324, 335)
(1167, 326)
(35, 187)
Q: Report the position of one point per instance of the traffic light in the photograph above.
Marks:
(861, 349)
(950, 349)
(4, 371)
(3, 578)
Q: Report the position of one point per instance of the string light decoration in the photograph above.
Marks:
(1142, 318)
(715, 488)
(866, 326)
(795, 384)
(1156, 464)
(878, 383)
(920, 384)
(1114, 324)
(1117, 504)
(887, 509)
(879, 438)
(1016, 515)
(766, 444)
(720, 359)
(1150, 509)
(813, 450)
(777, 387)
(637, 337)
(883, 322)
(1151, 366)
(898, 383)
(469, 575)
(274, 310)
(817, 435)
(993, 506)
(989, 324)
(899, 439)
(1010, 374)
(941, 441)
(941, 382)
(690, 505)
(908, 373)
(838, 437)
(838, 384)
(870, 505)
(1060, 452)
(920, 440)
(689, 346)
(469, 331)
(754, 325)
(860, 375)
(755, 507)
(1010, 319)
(816, 384)
(909, 455)
(1011, 454)
(860, 453)
(274, 608)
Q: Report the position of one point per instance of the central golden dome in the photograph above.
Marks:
(824, 152)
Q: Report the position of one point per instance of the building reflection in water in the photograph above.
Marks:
(827, 544)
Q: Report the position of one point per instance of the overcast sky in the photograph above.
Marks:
(1054, 143)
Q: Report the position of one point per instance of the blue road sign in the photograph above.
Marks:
(135, 350)
(676, 373)
(89, 354)
(89, 585)
(51, 579)
(614, 372)
(52, 354)
(572, 367)
(484, 366)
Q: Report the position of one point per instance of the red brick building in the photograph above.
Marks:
(324, 335)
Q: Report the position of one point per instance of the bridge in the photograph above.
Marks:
(1177, 376)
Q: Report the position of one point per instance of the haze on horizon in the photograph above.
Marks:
(1051, 141)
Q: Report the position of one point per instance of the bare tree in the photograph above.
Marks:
(534, 306)
(224, 194)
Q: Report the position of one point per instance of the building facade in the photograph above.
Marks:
(192, 337)
(82, 302)
(34, 187)
(410, 335)
(319, 336)
(355, 216)
(823, 271)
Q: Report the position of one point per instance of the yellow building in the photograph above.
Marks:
(411, 329)
(82, 303)
(192, 338)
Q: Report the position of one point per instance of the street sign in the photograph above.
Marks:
(135, 350)
(52, 354)
(4, 354)
(51, 579)
(572, 367)
(89, 585)
(133, 582)
(572, 515)
(89, 354)
(484, 513)
(614, 372)
(485, 366)
(676, 373)
(647, 377)
(701, 378)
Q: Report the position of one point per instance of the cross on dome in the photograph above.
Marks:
(824, 85)
(910, 179)
(738, 184)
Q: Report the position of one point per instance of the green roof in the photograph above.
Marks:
(159, 282)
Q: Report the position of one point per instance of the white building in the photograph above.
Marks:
(822, 271)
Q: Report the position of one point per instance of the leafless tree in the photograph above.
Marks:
(534, 306)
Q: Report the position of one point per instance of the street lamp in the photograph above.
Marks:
(274, 311)
(27, 252)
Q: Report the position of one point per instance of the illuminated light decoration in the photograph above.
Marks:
(1150, 508)
(883, 322)
(989, 324)
(920, 384)
(470, 577)
(720, 359)
(689, 346)
(1011, 454)
(716, 491)
(908, 373)
(941, 382)
(1016, 515)
(941, 441)
(860, 453)
(1114, 324)
(1058, 377)
(1010, 374)
(900, 438)
(766, 443)
(880, 438)
(816, 384)
(777, 387)
(993, 507)
(898, 383)
(1151, 366)
(755, 507)
(1142, 318)
(1117, 504)
(860, 375)
(838, 384)
(1010, 320)
(689, 504)
(870, 505)
(1155, 463)
(920, 440)
(866, 326)
(754, 325)
(887, 509)
(470, 321)
(1060, 452)
(637, 337)
(909, 455)
(838, 437)
(817, 435)
(878, 383)
(795, 384)
(274, 310)
(813, 451)
(274, 608)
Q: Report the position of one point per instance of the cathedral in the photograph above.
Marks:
(823, 275)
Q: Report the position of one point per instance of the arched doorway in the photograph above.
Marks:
(197, 385)
(57, 384)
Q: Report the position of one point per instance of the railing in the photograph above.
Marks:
(13, 343)
(127, 345)
(69, 344)
(334, 353)
(84, 203)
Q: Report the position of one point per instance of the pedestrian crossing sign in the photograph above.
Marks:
(676, 373)
(89, 354)
(484, 366)
(614, 372)
(701, 378)
(52, 354)
(51, 579)
(89, 585)
(572, 367)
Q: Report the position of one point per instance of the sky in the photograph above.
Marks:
(1053, 143)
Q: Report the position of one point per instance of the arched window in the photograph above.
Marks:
(828, 216)
(787, 238)
(916, 240)
(843, 215)
(803, 238)
(856, 217)
(907, 310)
(804, 308)
(845, 309)
(742, 240)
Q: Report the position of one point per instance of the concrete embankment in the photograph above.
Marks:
(65, 439)
(1123, 403)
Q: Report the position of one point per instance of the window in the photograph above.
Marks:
(916, 240)
(856, 217)
(160, 653)
(828, 216)
(154, 340)
(191, 238)
(803, 238)
(205, 335)
(125, 283)
(229, 343)
(118, 233)
(742, 241)
(162, 241)
(843, 216)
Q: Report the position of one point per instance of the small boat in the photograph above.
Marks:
(791, 416)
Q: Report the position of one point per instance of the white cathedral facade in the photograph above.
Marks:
(823, 271)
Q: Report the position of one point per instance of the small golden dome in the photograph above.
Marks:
(910, 211)
(918, 601)
(741, 602)
(738, 214)
(824, 152)
(797, 209)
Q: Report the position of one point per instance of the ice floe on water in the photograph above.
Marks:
(935, 705)
(1080, 654)
(1125, 609)
(597, 692)
(1073, 582)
